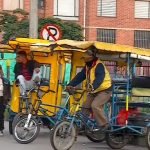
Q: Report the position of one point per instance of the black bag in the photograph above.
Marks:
(141, 82)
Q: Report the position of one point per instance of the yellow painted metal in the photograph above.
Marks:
(77, 62)
(6, 48)
(14, 104)
(55, 60)
(127, 102)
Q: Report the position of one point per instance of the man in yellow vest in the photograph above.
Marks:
(98, 86)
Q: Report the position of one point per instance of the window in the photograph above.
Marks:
(67, 73)
(12, 4)
(106, 35)
(66, 9)
(45, 76)
(142, 39)
(142, 9)
(106, 8)
(41, 4)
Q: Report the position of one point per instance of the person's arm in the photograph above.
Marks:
(78, 78)
(16, 70)
(99, 76)
(36, 66)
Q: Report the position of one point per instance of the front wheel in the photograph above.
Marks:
(17, 117)
(116, 141)
(63, 136)
(10, 127)
(25, 135)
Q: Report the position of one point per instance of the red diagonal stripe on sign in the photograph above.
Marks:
(50, 34)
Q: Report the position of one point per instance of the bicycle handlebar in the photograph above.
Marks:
(73, 91)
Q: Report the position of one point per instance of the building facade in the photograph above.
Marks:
(114, 21)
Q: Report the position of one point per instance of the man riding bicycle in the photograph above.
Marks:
(98, 87)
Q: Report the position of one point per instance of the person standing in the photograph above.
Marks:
(5, 95)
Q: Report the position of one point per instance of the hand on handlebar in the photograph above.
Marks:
(68, 88)
(89, 90)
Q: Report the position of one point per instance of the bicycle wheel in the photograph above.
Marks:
(148, 138)
(17, 116)
(10, 127)
(96, 136)
(25, 135)
(61, 138)
(116, 141)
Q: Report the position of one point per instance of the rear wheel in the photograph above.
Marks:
(24, 135)
(148, 138)
(96, 136)
(61, 138)
(116, 141)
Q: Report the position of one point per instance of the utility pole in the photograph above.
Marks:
(33, 23)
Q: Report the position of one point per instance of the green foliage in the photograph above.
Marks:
(18, 10)
(14, 28)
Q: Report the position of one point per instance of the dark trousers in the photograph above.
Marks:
(2, 110)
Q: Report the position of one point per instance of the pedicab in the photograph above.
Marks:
(53, 62)
(53, 72)
(24, 119)
(124, 123)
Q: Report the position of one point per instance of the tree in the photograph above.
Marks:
(12, 26)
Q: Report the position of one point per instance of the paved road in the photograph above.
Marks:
(42, 143)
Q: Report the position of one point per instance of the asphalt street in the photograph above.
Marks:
(43, 143)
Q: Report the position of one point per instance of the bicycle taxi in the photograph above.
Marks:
(127, 120)
(24, 120)
(53, 68)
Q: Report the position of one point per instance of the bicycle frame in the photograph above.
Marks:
(79, 118)
(52, 119)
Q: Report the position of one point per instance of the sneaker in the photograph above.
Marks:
(1, 133)
(103, 128)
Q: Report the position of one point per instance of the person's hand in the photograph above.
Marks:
(68, 88)
(37, 70)
(89, 90)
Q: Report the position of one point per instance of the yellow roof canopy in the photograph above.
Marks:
(100, 46)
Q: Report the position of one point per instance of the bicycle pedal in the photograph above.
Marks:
(40, 123)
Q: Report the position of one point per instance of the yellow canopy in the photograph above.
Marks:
(100, 46)
(6, 48)
(72, 45)
(26, 44)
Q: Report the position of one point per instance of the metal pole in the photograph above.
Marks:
(84, 20)
(33, 23)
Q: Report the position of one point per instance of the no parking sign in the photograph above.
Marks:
(51, 32)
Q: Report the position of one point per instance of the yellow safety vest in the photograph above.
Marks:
(90, 75)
